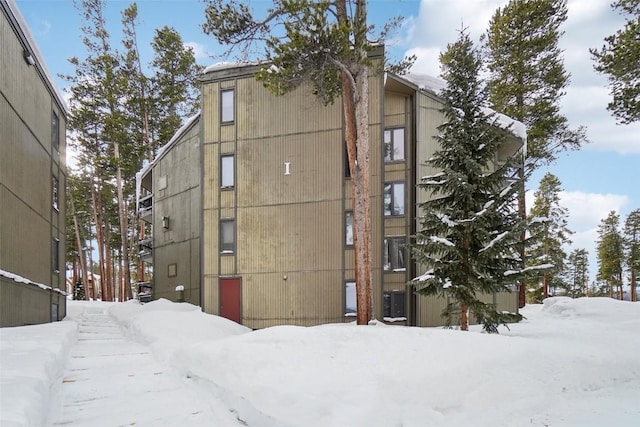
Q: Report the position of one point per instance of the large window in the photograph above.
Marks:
(55, 255)
(393, 306)
(227, 236)
(227, 177)
(348, 228)
(227, 107)
(394, 199)
(54, 192)
(394, 254)
(55, 132)
(350, 308)
(393, 144)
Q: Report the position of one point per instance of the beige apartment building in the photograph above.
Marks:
(251, 204)
(32, 180)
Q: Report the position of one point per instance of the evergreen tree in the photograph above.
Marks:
(527, 81)
(549, 234)
(619, 58)
(173, 84)
(469, 231)
(577, 273)
(610, 253)
(323, 44)
(527, 74)
(632, 249)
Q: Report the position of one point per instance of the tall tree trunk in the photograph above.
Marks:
(124, 222)
(545, 286)
(522, 210)
(97, 218)
(355, 99)
(464, 319)
(83, 267)
(633, 285)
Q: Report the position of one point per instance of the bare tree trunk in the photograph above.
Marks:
(100, 241)
(522, 210)
(464, 319)
(545, 286)
(633, 285)
(83, 268)
(124, 222)
(355, 99)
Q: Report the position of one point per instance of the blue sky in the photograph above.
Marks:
(601, 177)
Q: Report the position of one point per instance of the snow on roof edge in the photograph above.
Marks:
(33, 46)
(19, 279)
(435, 85)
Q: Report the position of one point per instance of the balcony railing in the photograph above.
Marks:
(145, 207)
(145, 250)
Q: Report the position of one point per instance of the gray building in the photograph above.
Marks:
(32, 180)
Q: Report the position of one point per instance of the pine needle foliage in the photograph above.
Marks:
(470, 230)
(618, 58)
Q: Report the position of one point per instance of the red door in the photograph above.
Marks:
(230, 300)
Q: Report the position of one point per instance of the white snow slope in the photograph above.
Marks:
(570, 363)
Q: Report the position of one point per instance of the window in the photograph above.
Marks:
(54, 192)
(393, 144)
(172, 270)
(227, 107)
(227, 236)
(55, 132)
(348, 228)
(227, 176)
(350, 308)
(55, 255)
(394, 254)
(394, 199)
(393, 307)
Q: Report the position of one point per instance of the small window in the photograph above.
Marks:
(348, 228)
(394, 254)
(394, 199)
(55, 255)
(394, 306)
(350, 308)
(227, 236)
(55, 132)
(227, 107)
(172, 270)
(54, 192)
(227, 175)
(393, 144)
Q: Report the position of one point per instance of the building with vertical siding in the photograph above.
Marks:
(32, 180)
(251, 203)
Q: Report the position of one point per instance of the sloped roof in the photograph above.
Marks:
(29, 44)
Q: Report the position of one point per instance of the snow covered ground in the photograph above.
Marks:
(570, 363)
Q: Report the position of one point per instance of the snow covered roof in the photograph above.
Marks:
(147, 166)
(435, 85)
(19, 279)
(220, 66)
(30, 46)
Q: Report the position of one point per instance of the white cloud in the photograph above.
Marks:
(200, 52)
(580, 11)
(427, 61)
(586, 210)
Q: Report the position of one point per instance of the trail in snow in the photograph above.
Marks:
(110, 380)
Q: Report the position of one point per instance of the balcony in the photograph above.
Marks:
(145, 250)
(145, 208)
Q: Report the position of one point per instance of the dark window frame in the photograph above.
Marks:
(350, 311)
(55, 255)
(225, 120)
(348, 214)
(394, 304)
(55, 131)
(55, 193)
(228, 247)
(394, 262)
(233, 171)
(390, 158)
(393, 213)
